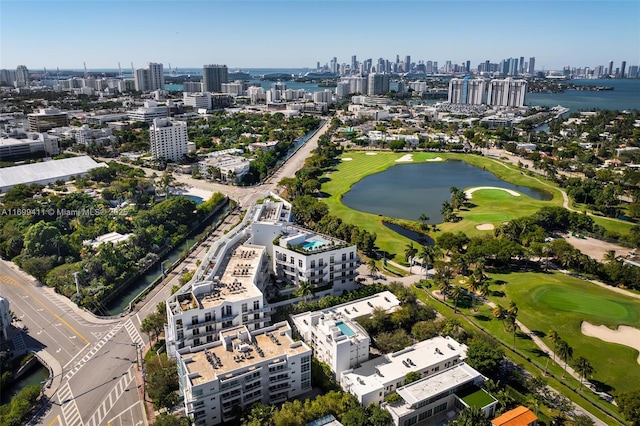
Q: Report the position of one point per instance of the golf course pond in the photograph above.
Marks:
(406, 191)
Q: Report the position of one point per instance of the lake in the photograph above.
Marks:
(406, 191)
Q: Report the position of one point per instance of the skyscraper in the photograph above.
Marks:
(507, 92)
(466, 91)
(521, 69)
(407, 63)
(378, 84)
(532, 65)
(22, 76)
(156, 76)
(623, 68)
(354, 64)
(168, 139)
(141, 79)
(213, 76)
(611, 68)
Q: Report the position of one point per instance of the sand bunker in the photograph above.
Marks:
(624, 335)
(405, 158)
(470, 191)
(434, 159)
(485, 227)
(347, 159)
(372, 153)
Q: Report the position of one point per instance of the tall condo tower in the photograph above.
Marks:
(213, 76)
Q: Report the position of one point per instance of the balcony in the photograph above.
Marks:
(201, 324)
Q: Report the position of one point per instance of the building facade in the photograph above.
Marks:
(241, 368)
(168, 139)
(213, 76)
(467, 91)
(507, 92)
(46, 119)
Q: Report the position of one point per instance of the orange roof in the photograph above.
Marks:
(520, 416)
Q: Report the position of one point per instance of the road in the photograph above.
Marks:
(96, 379)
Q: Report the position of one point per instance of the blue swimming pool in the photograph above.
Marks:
(346, 330)
(310, 245)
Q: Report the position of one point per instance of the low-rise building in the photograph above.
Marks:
(149, 112)
(20, 145)
(227, 168)
(441, 396)
(376, 379)
(336, 338)
(46, 119)
(242, 368)
(109, 238)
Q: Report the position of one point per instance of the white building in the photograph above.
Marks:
(191, 87)
(343, 89)
(235, 88)
(46, 171)
(377, 378)
(168, 139)
(88, 136)
(507, 92)
(303, 255)
(378, 84)
(440, 397)
(325, 96)
(150, 78)
(197, 100)
(149, 112)
(231, 167)
(256, 94)
(336, 338)
(109, 238)
(23, 144)
(229, 295)
(467, 91)
(242, 368)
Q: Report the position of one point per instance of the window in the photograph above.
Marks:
(244, 307)
(313, 263)
(194, 320)
(196, 331)
(207, 316)
(424, 415)
(209, 339)
(256, 304)
(228, 310)
(344, 256)
(440, 408)
(256, 316)
(351, 256)
(299, 263)
(196, 342)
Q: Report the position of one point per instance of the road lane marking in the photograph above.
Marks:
(56, 419)
(11, 281)
(92, 352)
(68, 406)
(115, 393)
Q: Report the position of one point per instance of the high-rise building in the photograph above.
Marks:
(507, 92)
(22, 76)
(213, 76)
(168, 139)
(407, 63)
(633, 71)
(611, 68)
(378, 84)
(521, 69)
(354, 63)
(466, 91)
(532, 65)
(623, 68)
(156, 76)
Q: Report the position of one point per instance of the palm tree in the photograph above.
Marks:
(609, 256)
(372, 266)
(423, 219)
(555, 339)
(456, 294)
(444, 288)
(512, 310)
(473, 285)
(499, 312)
(584, 368)
(304, 290)
(409, 253)
(565, 352)
(511, 325)
(429, 254)
(484, 289)
(471, 416)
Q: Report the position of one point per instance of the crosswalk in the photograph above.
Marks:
(92, 352)
(70, 412)
(134, 334)
(116, 392)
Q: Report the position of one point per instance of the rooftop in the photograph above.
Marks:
(364, 307)
(437, 383)
(520, 416)
(475, 397)
(46, 170)
(308, 242)
(376, 373)
(238, 349)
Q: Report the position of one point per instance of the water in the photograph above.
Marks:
(35, 376)
(408, 190)
(625, 95)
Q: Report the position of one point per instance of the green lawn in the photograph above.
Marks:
(560, 303)
(492, 206)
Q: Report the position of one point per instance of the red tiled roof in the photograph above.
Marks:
(520, 416)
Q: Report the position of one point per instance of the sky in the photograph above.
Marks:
(298, 34)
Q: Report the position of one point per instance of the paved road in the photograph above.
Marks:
(95, 378)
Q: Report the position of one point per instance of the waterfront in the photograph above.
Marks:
(414, 189)
(625, 95)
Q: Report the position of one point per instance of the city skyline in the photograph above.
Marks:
(282, 34)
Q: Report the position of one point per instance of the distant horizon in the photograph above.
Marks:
(277, 34)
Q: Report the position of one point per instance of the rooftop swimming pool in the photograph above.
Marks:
(310, 245)
(345, 329)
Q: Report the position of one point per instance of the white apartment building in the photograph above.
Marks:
(149, 112)
(21, 144)
(256, 94)
(242, 368)
(88, 136)
(467, 91)
(335, 336)
(197, 100)
(168, 139)
(375, 379)
(325, 96)
(229, 295)
(234, 89)
(231, 167)
(303, 255)
(343, 89)
(507, 92)
(191, 87)
(440, 397)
